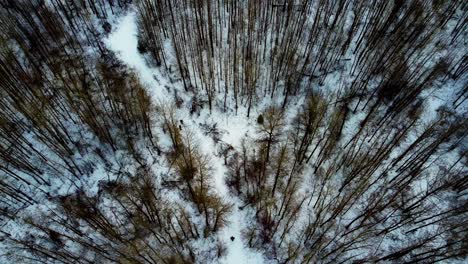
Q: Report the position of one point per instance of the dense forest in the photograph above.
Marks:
(225, 131)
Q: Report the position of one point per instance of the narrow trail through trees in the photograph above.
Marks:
(123, 40)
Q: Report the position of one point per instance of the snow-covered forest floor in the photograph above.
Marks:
(221, 132)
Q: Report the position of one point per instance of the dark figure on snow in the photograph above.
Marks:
(232, 238)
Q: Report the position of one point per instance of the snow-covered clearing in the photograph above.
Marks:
(123, 40)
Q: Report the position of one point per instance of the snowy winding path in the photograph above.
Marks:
(123, 40)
